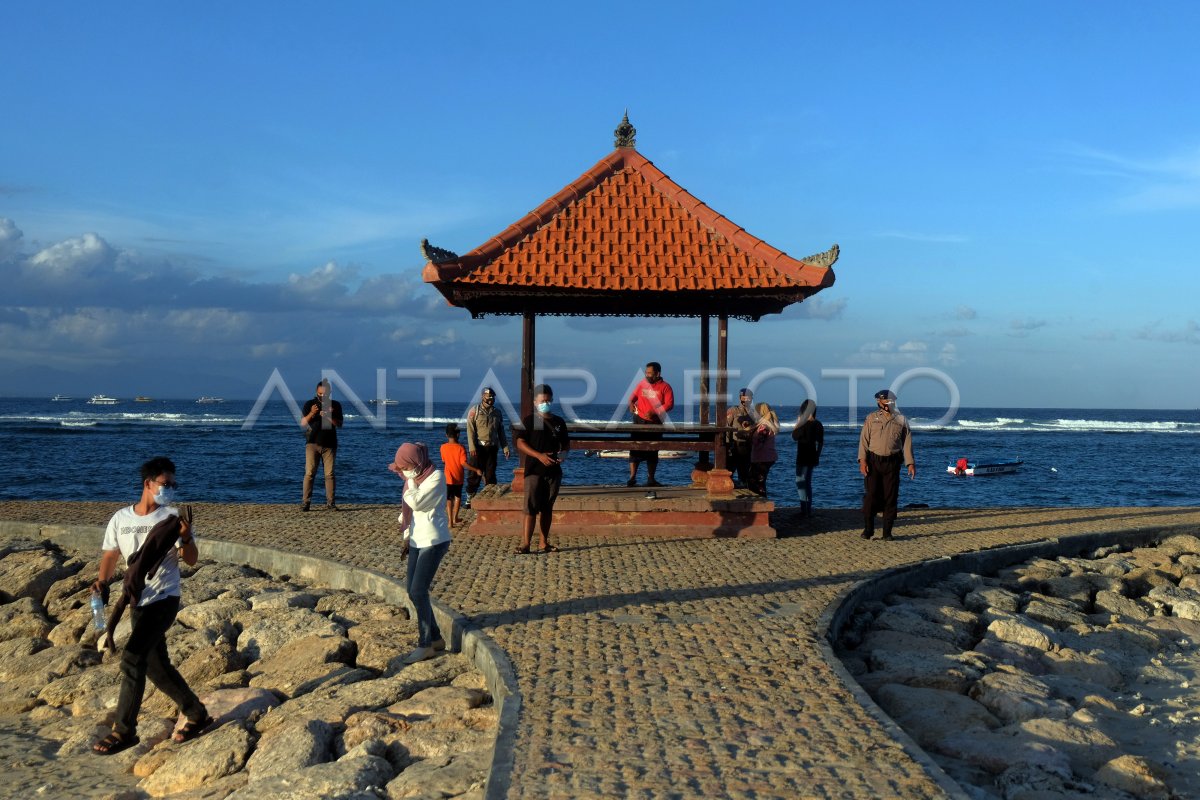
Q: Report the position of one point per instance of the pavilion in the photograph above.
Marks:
(625, 240)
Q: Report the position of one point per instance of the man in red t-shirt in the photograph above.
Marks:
(454, 461)
(651, 401)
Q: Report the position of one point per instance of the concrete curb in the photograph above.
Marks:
(464, 636)
(982, 562)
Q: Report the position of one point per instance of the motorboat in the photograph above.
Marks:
(102, 400)
(61, 398)
(141, 398)
(970, 468)
(387, 401)
(208, 401)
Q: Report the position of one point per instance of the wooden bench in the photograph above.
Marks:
(693, 437)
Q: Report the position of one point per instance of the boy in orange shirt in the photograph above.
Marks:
(454, 461)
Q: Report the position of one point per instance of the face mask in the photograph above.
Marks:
(165, 496)
(408, 473)
(543, 408)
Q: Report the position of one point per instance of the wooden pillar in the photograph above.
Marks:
(703, 465)
(528, 359)
(720, 482)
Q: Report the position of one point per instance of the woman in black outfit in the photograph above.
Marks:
(809, 435)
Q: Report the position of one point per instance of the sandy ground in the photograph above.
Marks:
(32, 768)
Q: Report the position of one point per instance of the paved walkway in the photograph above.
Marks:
(659, 668)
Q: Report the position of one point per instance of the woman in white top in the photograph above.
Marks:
(426, 532)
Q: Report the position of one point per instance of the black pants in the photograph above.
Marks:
(881, 490)
(485, 459)
(145, 656)
(738, 456)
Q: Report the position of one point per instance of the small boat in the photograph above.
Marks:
(61, 398)
(387, 401)
(210, 400)
(102, 400)
(141, 398)
(964, 467)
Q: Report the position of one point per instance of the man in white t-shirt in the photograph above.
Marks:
(145, 653)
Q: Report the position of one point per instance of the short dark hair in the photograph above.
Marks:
(543, 388)
(323, 382)
(657, 367)
(159, 465)
(452, 429)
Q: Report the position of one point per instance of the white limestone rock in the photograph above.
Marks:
(929, 715)
(288, 749)
(1013, 697)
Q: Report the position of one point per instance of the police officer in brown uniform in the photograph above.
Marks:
(885, 443)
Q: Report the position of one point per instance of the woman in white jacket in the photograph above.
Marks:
(426, 533)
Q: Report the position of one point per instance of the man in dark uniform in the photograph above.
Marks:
(544, 442)
(485, 438)
(885, 443)
(322, 417)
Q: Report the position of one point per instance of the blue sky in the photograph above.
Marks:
(192, 196)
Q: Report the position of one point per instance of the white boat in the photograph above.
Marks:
(61, 398)
(964, 467)
(102, 400)
(141, 398)
(210, 400)
(387, 401)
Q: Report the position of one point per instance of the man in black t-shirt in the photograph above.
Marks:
(322, 416)
(544, 442)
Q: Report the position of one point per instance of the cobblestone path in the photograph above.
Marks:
(659, 668)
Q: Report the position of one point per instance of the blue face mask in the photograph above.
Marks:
(543, 408)
(165, 496)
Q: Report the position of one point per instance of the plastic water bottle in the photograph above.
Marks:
(97, 611)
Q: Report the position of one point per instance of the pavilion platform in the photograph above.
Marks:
(676, 511)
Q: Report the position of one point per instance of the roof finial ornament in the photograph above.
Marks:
(625, 135)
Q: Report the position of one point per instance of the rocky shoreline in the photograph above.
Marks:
(1063, 678)
(307, 684)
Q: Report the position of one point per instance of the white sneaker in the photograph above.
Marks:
(438, 644)
(420, 654)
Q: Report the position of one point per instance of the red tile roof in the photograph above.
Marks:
(625, 227)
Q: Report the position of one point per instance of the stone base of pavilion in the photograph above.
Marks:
(676, 511)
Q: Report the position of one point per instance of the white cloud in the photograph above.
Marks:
(965, 312)
(1027, 324)
(321, 278)
(929, 238)
(441, 339)
(1149, 183)
(888, 352)
(73, 258)
(818, 308)
(1188, 334)
(10, 238)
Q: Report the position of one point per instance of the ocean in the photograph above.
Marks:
(1072, 457)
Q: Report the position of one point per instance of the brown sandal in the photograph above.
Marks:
(549, 549)
(114, 743)
(522, 551)
(191, 729)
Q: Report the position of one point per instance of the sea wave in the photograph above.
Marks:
(79, 418)
(998, 422)
(1119, 426)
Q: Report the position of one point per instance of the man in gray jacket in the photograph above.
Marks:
(485, 439)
